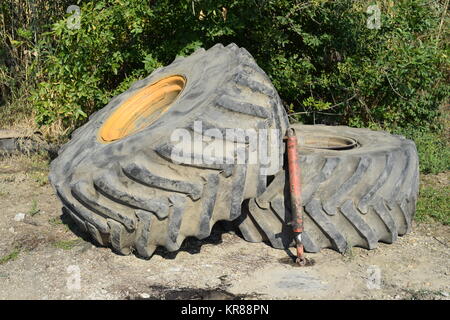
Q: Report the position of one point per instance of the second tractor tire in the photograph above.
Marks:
(359, 187)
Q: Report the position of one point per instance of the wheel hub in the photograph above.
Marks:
(142, 109)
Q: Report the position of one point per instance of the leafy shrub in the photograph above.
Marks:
(434, 203)
(326, 64)
(21, 25)
(85, 65)
(434, 152)
(433, 149)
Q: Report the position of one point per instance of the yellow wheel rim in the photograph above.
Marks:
(142, 109)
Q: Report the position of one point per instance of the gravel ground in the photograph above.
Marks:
(44, 256)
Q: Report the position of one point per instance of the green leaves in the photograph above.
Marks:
(24, 33)
(433, 149)
(316, 104)
(434, 204)
(319, 54)
(151, 63)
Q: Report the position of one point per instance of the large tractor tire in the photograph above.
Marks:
(359, 187)
(117, 177)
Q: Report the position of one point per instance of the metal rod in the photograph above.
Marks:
(295, 192)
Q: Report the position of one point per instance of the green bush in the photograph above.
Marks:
(22, 23)
(326, 64)
(434, 154)
(434, 203)
(433, 149)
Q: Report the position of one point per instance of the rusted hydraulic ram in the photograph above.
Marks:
(295, 190)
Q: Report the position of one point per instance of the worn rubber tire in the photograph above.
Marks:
(354, 197)
(129, 193)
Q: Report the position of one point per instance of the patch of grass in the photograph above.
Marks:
(349, 255)
(433, 149)
(40, 161)
(10, 256)
(55, 221)
(17, 111)
(34, 208)
(40, 178)
(4, 193)
(67, 244)
(434, 204)
(423, 294)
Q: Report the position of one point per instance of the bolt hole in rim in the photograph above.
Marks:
(142, 109)
(327, 142)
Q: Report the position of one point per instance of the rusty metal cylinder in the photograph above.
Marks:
(295, 193)
(294, 181)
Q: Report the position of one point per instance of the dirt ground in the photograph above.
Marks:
(44, 256)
